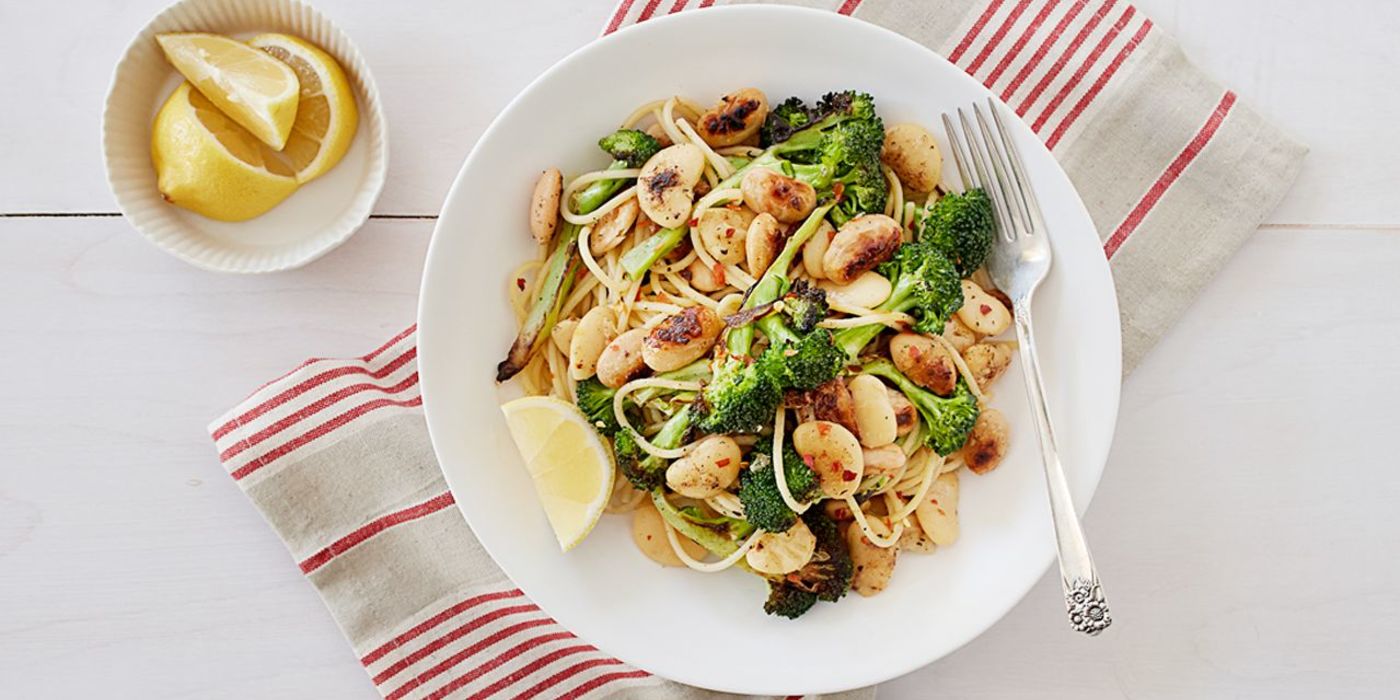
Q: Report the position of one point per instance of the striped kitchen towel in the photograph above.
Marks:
(336, 456)
(1175, 171)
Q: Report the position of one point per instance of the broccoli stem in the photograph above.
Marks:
(854, 340)
(717, 544)
(645, 254)
(558, 280)
(720, 535)
(772, 285)
(599, 192)
(561, 270)
(696, 371)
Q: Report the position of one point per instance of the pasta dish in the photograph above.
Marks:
(776, 320)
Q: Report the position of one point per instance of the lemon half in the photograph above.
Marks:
(257, 91)
(207, 163)
(571, 468)
(327, 117)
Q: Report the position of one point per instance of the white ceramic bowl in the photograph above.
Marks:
(709, 630)
(318, 217)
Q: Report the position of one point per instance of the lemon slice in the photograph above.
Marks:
(572, 470)
(208, 164)
(257, 91)
(327, 117)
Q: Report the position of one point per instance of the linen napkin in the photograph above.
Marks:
(1176, 173)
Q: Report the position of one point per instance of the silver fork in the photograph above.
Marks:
(987, 157)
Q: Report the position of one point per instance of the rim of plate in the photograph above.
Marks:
(130, 175)
(763, 13)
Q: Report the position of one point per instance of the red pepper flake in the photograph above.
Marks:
(719, 274)
(520, 283)
(838, 189)
(694, 223)
(848, 475)
(638, 295)
(729, 232)
(810, 461)
(823, 428)
(984, 309)
(722, 462)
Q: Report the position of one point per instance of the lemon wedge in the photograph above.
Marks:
(255, 90)
(571, 468)
(212, 166)
(326, 120)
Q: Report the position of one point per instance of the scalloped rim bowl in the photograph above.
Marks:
(710, 630)
(316, 218)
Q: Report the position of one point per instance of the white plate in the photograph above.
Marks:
(319, 216)
(710, 630)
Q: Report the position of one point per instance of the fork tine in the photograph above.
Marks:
(1010, 187)
(960, 158)
(1018, 171)
(991, 187)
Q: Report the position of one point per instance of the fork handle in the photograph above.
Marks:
(1084, 600)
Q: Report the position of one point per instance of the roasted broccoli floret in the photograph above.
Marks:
(793, 115)
(834, 146)
(758, 487)
(826, 577)
(788, 600)
(803, 362)
(596, 402)
(741, 398)
(630, 146)
(926, 286)
(647, 471)
(947, 421)
(962, 227)
(785, 118)
(805, 306)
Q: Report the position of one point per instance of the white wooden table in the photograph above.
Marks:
(1247, 527)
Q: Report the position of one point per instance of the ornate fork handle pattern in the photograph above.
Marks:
(1084, 599)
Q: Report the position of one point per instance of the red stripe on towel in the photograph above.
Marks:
(1170, 175)
(618, 17)
(998, 35)
(477, 648)
(1084, 67)
(534, 690)
(311, 409)
(374, 527)
(515, 676)
(972, 33)
(449, 637)
(441, 617)
(1021, 41)
(301, 440)
(601, 681)
(1043, 49)
(1097, 87)
(648, 10)
(312, 382)
(1067, 54)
